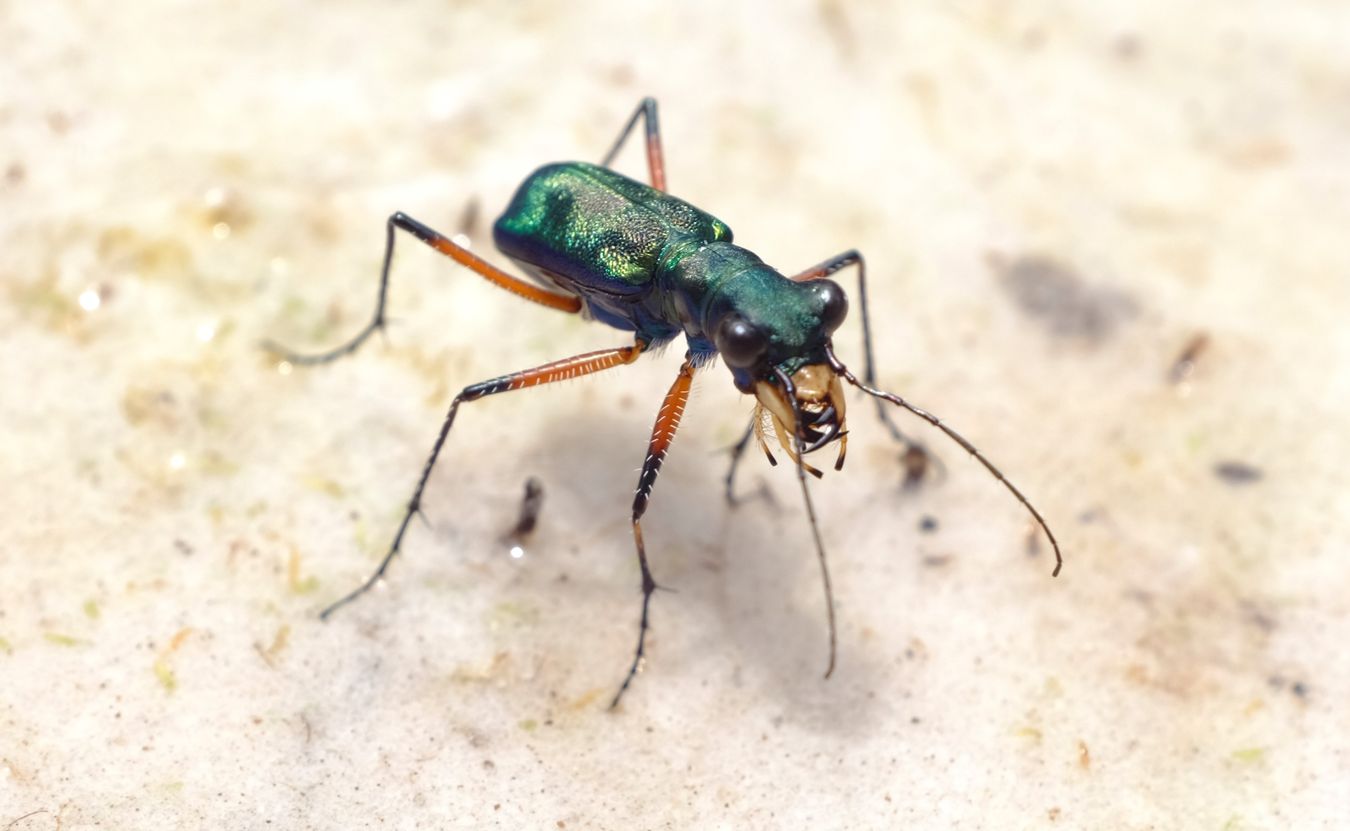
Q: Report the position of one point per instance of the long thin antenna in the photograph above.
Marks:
(790, 391)
(840, 369)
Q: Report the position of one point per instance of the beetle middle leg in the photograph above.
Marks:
(451, 249)
(585, 364)
(663, 433)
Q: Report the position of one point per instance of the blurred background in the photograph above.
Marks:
(1107, 243)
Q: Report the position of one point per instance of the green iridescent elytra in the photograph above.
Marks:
(648, 262)
(598, 226)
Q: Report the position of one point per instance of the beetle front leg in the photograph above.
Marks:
(663, 433)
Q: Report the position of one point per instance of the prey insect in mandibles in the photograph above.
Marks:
(642, 261)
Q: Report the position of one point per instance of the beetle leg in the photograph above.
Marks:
(573, 367)
(656, 164)
(451, 249)
(663, 433)
(737, 451)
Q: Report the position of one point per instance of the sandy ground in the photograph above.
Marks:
(1107, 245)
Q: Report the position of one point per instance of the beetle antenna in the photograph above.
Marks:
(842, 370)
(790, 391)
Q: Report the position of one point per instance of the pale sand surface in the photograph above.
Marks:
(1054, 203)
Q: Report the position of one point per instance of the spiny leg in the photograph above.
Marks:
(451, 249)
(573, 367)
(915, 454)
(656, 163)
(663, 433)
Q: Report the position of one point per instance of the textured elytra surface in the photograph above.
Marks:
(597, 227)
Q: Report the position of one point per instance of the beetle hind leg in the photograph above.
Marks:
(448, 247)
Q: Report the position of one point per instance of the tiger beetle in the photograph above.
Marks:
(632, 256)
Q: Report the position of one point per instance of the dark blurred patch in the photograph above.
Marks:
(1279, 682)
(530, 506)
(1184, 366)
(1032, 541)
(1238, 473)
(1257, 616)
(468, 218)
(1056, 296)
(59, 122)
(917, 463)
(834, 18)
(928, 523)
(1127, 47)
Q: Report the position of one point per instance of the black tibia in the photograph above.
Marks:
(738, 450)
(663, 433)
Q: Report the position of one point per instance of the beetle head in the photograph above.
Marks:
(775, 348)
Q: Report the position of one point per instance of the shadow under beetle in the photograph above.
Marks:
(640, 260)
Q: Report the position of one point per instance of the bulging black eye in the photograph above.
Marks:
(833, 303)
(740, 343)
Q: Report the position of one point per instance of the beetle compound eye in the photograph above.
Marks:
(834, 303)
(740, 343)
